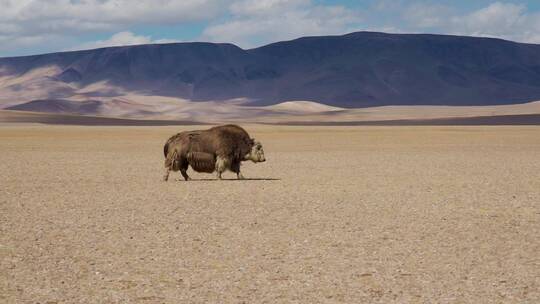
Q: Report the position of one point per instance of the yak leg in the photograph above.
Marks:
(183, 170)
(166, 175)
(221, 166)
(184, 174)
(168, 166)
(235, 167)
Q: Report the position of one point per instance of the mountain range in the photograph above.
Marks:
(357, 70)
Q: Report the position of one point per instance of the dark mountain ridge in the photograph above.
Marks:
(354, 70)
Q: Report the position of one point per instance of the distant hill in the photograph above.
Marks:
(356, 70)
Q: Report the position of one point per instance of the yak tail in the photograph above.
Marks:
(171, 162)
(166, 149)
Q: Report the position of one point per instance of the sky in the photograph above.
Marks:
(33, 27)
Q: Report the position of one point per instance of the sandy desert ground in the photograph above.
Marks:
(335, 215)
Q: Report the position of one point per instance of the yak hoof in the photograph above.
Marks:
(240, 176)
(166, 175)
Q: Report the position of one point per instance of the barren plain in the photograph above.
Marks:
(336, 215)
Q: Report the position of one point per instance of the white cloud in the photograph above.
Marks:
(49, 25)
(121, 39)
(252, 8)
(501, 20)
(421, 15)
(254, 23)
(24, 20)
(494, 17)
(107, 12)
(166, 40)
(15, 44)
(258, 22)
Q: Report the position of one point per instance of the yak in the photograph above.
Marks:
(217, 149)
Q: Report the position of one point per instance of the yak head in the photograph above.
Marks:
(256, 154)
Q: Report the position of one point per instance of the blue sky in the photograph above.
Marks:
(33, 26)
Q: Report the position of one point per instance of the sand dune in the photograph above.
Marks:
(390, 113)
(303, 107)
(32, 85)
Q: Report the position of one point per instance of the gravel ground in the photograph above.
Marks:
(335, 215)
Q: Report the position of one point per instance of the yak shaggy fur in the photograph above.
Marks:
(216, 149)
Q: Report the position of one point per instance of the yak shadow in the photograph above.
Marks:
(228, 179)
